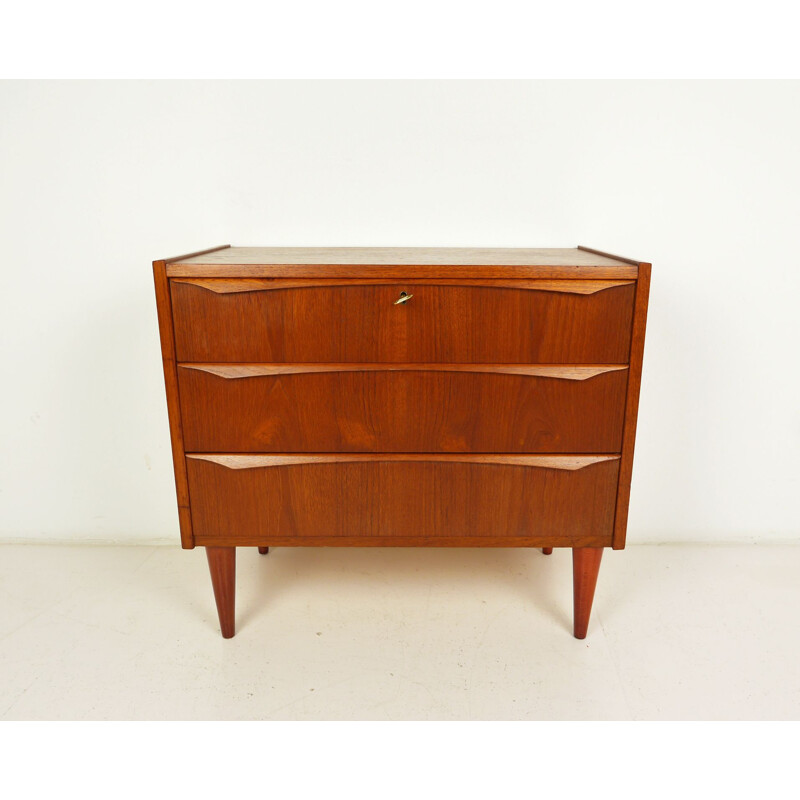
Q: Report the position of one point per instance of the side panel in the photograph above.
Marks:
(173, 400)
(631, 405)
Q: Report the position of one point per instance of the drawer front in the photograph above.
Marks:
(517, 322)
(402, 499)
(405, 409)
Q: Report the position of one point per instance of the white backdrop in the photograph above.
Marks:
(97, 179)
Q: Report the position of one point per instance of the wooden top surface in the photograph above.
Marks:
(397, 256)
(401, 262)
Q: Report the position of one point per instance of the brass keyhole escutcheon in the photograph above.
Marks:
(404, 298)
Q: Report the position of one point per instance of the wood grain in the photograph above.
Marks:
(632, 405)
(166, 332)
(391, 408)
(401, 499)
(237, 285)
(403, 256)
(449, 324)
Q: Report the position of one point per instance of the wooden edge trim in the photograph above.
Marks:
(198, 253)
(236, 285)
(608, 255)
(454, 271)
(234, 461)
(545, 540)
(167, 334)
(631, 406)
(236, 371)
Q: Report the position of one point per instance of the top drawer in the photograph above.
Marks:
(451, 321)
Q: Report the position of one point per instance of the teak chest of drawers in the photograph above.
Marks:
(402, 397)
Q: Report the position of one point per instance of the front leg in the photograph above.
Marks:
(585, 566)
(222, 564)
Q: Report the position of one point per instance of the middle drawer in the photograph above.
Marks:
(401, 408)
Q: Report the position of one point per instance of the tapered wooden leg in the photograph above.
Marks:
(263, 550)
(222, 564)
(585, 566)
(548, 551)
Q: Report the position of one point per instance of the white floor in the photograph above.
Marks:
(677, 632)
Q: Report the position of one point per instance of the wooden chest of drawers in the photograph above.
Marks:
(402, 397)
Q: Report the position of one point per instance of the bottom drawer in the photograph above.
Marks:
(437, 500)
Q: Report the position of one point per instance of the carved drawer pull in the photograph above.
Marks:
(238, 461)
(568, 372)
